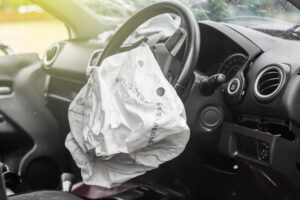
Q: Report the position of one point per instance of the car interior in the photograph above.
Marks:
(239, 86)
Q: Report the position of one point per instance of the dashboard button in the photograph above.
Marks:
(233, 86)
(264, 151)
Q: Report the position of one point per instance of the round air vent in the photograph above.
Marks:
(51, 55)
(268, 82)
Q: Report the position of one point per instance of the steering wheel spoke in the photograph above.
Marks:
(168, 54)
(176, 42)
(163, 57)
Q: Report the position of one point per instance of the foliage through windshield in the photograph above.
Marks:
(118, 11)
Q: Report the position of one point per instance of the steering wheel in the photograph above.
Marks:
(185, 41)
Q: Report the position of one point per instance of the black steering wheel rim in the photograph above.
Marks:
(188, 21)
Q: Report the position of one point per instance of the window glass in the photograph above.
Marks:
(27, 28)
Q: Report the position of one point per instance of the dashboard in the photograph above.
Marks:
(238, 53)
(256, 121)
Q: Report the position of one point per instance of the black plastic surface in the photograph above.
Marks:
(29, 124)
(272, 152)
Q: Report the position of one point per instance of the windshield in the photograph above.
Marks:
(216, 10)
(263, 15)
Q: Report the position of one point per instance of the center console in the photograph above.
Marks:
(248, 144)
(264, 150)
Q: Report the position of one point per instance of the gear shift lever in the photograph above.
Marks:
(67, 180)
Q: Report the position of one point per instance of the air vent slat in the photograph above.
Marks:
(268, 82)
(269, 89)
(270, 75)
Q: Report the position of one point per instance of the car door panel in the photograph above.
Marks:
(40, 149)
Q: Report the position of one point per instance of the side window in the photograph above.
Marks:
(27, 28)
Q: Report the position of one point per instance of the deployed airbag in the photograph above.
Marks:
(126, 120)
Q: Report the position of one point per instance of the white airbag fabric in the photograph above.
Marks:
(126, 120)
